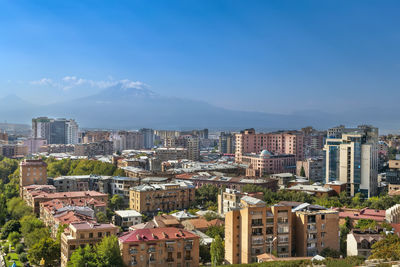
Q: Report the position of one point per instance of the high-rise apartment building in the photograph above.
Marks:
(352, 158)
(124, 140)
(148, 137)
(313, 169)
(55, 131)
(257, 229)
(72, 132)
(95, 136)
(226, 143)
(191, 143)
(248, 141)
(286, 229)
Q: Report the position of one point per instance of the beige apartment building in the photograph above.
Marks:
(286, 229)
(256, 229)
(32, 172)
(168, 246)
(151, 198)
(316, 230)
(81, 234)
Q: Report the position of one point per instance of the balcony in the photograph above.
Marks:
(133, 263)
(170, 249)
(152, 249)
(312, 230)
(258, 241)
(170, 260)
(133, 251)
(257, 225)
(188, 247)
(188, 258)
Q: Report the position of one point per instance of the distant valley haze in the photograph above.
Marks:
(224, 65)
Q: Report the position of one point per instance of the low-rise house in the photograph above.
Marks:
(81, 234)
(359, 243)
(317, 190)
(160, 246)
(355, 215)
(201, 224)
(127, 218)
(183, 215)
(166, 220)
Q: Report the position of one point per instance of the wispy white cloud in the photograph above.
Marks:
(43, 81)
(69, 82)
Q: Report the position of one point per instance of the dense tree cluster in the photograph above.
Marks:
(80, 167)
(382, 202)
(105, 254)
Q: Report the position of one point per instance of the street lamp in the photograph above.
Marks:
(270, 247)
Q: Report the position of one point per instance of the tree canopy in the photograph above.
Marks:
(105, 254)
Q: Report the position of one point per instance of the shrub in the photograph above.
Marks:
(6, 249)
(23, 257)
(19, 248)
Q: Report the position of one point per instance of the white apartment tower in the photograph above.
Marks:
(352, 158)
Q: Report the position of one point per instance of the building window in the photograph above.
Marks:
(90, 235)
(99, 234)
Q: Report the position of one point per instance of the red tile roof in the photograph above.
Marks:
(74, 194)
(152, 234)
(56, 204)
(376, 215)
(73, 217)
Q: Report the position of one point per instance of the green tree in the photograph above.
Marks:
(204, 253)
(302, 172)
(209, 216)
(217, 251)
(83, 257)
(108, 252)
(47, 249)
(29, 223)
(216, 230)
(116, 202)
(364, 224)
(328, 252)
(101, 217)
(17, 208)
(14, 238)
(387, 248)
(9, 227)
(37, 234)
(19, 248)
(206, 193)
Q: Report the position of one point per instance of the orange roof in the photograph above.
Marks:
(202, 223)
(184, 175)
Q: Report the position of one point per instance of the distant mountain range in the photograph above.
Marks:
(131, 108)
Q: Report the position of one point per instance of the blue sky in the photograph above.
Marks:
(273, 56)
